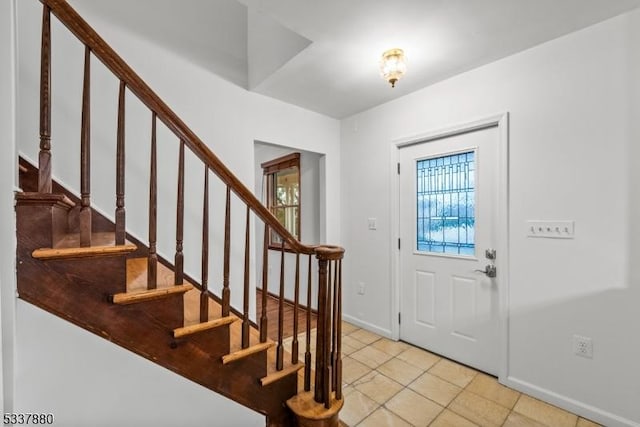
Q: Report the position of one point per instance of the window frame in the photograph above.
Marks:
(269, 171)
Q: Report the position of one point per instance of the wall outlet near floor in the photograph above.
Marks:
(583, 346)
(361, 288)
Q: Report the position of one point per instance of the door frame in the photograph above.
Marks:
(501, 121)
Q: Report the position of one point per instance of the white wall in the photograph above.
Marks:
(311, 208)
(571, 157)
(226, 117)
(634, 113)
(106, 385)
(7, 218)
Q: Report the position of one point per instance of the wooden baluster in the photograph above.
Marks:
(307, 353)
(245, 308)
(326, 375)
(334, 327)
(227, 254)
(120, 167)
(280, 348)
(152, 261)
(85, 154)
(265, 286)
(338, 364)
(296, 303)
(320, 334)
(204, 293)
(179, 257)
(44, 157)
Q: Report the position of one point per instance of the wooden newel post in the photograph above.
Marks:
(44, 157)
(321, 407)
(321, 341)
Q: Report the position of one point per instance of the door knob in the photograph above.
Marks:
(489, 270)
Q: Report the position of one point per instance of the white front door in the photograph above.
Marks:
(448, 190)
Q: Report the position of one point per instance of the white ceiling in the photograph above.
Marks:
(323, 55)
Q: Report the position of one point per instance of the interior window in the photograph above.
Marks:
(282, 180)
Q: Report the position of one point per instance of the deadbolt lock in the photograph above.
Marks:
(490, 254)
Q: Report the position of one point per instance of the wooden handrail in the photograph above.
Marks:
(134, 83)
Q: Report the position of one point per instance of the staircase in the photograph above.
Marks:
(80, 265)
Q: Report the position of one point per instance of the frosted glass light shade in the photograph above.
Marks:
(393, 65)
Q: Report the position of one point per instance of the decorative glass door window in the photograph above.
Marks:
(445, 200)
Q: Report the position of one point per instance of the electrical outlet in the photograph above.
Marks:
(361, 288)
(583, 346)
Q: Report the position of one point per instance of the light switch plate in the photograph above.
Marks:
(551, 229)
(372, 224)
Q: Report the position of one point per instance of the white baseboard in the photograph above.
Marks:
(584, 410)
(368, 326)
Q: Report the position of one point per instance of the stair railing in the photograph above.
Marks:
(328, 368)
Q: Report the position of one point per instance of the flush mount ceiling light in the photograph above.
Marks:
(393, 65)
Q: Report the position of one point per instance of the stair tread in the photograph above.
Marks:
(58, 253)
(303, 404)
(35, 197)
(239, 354)
(204, 326)
(103, 243)
(287, 370)
(124, 298)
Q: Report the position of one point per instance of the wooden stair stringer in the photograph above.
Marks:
(78, 290)
(139, 328)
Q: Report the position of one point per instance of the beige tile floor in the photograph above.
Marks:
(393, 384)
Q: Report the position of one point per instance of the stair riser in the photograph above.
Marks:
(101, 276)
(214, 342)
(43, 224)
(167, 312)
